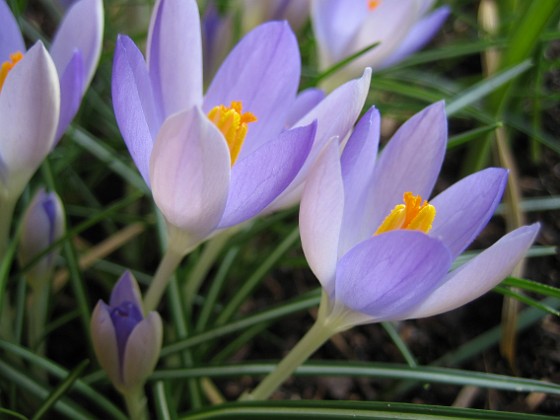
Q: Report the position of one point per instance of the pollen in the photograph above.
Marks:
(233, 124)
(9, 65)
(373, 4)
(413, 214)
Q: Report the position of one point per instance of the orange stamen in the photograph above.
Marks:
(9, 65)
(412, 215)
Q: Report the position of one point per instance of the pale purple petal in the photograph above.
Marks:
(71, 82)
(125, 316)
(479, 275)
(261, 176)
(10, 35)
(133, 103)
(190, 171)
(175, 55)
(420, 34)
(305, 102)
(29, 109)
(320, 217)
(82, 30)
(126, 290)
(465, 208)
(263, 73)
(358, 164)
(142, 350)
(388, 274)
(411, 161)
(104, 341)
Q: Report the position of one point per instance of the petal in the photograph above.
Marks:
(465, 208)
(175, 55)
(134, 104)
(479, 275)
(10, 35)
(320, 217)
(411, 161)
(189, 170)
(388, 274)
(358, 164)
(305, 102)
(82, 30)
(71, 82)
(420, 34)
(264, 174)
(104, 341)
(29, 109)
(126, 290)
(142, 350)
(263, 73)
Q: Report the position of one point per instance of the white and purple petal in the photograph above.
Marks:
(71, 83)
(104, 341)
(11, 39)
(126, 290)
(305, 101)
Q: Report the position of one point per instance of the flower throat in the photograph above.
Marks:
(413, 214)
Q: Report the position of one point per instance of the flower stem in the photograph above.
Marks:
(7, 206)
(319, 333)
(136, 403)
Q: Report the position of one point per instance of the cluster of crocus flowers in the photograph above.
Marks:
(380, 249)
(345, 27)
(126, 342)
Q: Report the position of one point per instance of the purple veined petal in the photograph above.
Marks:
(11, 39)
(126, 290)
(134, 104)
(387, 275)
(262, 72)
(335, 115)
(305, 102)
(336, 24)
(175, 55)
(125, 316)
(82, 30)
(420, 34)
(411, 161)
(358, 164)
(465, 208)
(71, 83)
(479, 275)
(261, 176)
(217, 38)
(142, 350)
(104, 341)
(190, 172)
(320, 216)
(29, 109)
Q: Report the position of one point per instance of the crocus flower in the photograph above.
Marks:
(215, 160)
(75, 51)
(126, 343)
(43, 224)
(382, 251)
(344, 27)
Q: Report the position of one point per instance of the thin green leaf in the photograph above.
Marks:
(533, 286)
(471, 135)
(527, 300)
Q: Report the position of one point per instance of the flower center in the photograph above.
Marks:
(373, 4)
(233, 125)
(413, 214)
(9, 65)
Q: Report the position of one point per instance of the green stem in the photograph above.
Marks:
(7, 206)
(37, 311)
(136, 403)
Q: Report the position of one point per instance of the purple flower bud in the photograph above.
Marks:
(126, 343)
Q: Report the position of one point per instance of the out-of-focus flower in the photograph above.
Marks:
(29, 111)
(126, 343)
(217, 38)
(344, 27)
(255, 12)
(215, 160)
(43, 224)
(380, 259)
(75, 51)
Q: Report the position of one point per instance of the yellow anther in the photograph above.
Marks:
(9, 65)
(373, 4)
(412, 215)
(233, 125)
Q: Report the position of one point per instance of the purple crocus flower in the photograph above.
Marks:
(378, 259)
(126, 343)
(215, 160)
(75, 51)
(344, 27)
